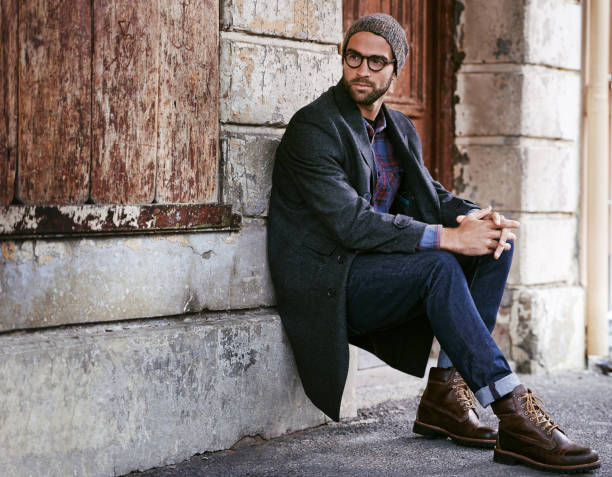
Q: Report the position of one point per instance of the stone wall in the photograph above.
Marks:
(83, 391)
(517, 133)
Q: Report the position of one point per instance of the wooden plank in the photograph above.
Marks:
(29, 221)
(54, 101)
(8, 98)
(188, 101)
(125, 69)
(443, 72)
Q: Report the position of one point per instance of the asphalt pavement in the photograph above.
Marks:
(380, 441)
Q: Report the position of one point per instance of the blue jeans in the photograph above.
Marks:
(460, 295)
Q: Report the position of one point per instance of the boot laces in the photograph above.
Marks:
(533, 408)
(464, 394)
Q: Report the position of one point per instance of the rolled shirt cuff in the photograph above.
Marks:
(431, 237)
(496, 390)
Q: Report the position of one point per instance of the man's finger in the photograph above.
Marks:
(509, 223)
(496, 218)
(479, 214)
(460, 218)
(502, 243)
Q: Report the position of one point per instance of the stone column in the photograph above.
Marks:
(517, 143)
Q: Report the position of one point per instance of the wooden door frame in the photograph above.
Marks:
(442, 13)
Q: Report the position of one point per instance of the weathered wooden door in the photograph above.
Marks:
(112, 102)
(107, 104)
(424, 88)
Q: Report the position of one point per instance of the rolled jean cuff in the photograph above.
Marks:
(496, 390)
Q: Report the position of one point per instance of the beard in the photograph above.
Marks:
(370, 97)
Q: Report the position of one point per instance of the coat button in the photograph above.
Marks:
(340, 259)
(331, 292)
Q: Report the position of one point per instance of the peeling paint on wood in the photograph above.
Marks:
(54, 101)
(154, 123)
(188, 101)
(125, 68)
(8, 98)
(27, 221)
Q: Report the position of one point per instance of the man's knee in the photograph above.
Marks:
(444, 263)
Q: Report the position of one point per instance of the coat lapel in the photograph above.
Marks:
(352, 116)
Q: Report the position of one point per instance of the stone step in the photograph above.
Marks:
(111, 398)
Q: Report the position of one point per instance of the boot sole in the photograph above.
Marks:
(510, 458)
(434, 432)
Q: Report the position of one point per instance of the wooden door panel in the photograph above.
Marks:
(188, 95)
(8, 99)
(125, 66)
(54, 101)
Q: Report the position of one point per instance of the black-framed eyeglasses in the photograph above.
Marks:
(375, 63)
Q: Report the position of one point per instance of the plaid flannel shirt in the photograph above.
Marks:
(388, 174)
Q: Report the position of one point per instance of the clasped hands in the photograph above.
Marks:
(480, 233)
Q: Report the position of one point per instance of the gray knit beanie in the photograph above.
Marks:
(386, 26)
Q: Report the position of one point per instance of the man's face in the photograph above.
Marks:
(364, 85)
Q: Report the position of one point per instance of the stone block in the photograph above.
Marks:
(265, 81)
(491, 31)
(248, 160)
(519, 174)
(489, 103)
(546, 250)
(490, 174)
(553, 33)
(314, 20)
(547, 328)
(55, 282)
(551, 103)
(546, 32)
(518, 101)
(103, 400)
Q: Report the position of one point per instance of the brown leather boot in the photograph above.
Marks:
(447, 409)
(527, 435)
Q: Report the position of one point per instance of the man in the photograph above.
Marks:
(365, 247)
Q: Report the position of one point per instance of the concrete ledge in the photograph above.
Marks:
(108, 399)
(314, 20)
(380, 384)
(265, 81)
(56, 282)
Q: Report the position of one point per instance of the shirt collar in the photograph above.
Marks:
(380, 124)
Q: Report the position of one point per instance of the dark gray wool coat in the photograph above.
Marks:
(320, 218)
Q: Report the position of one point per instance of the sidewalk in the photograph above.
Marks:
(380, 441)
